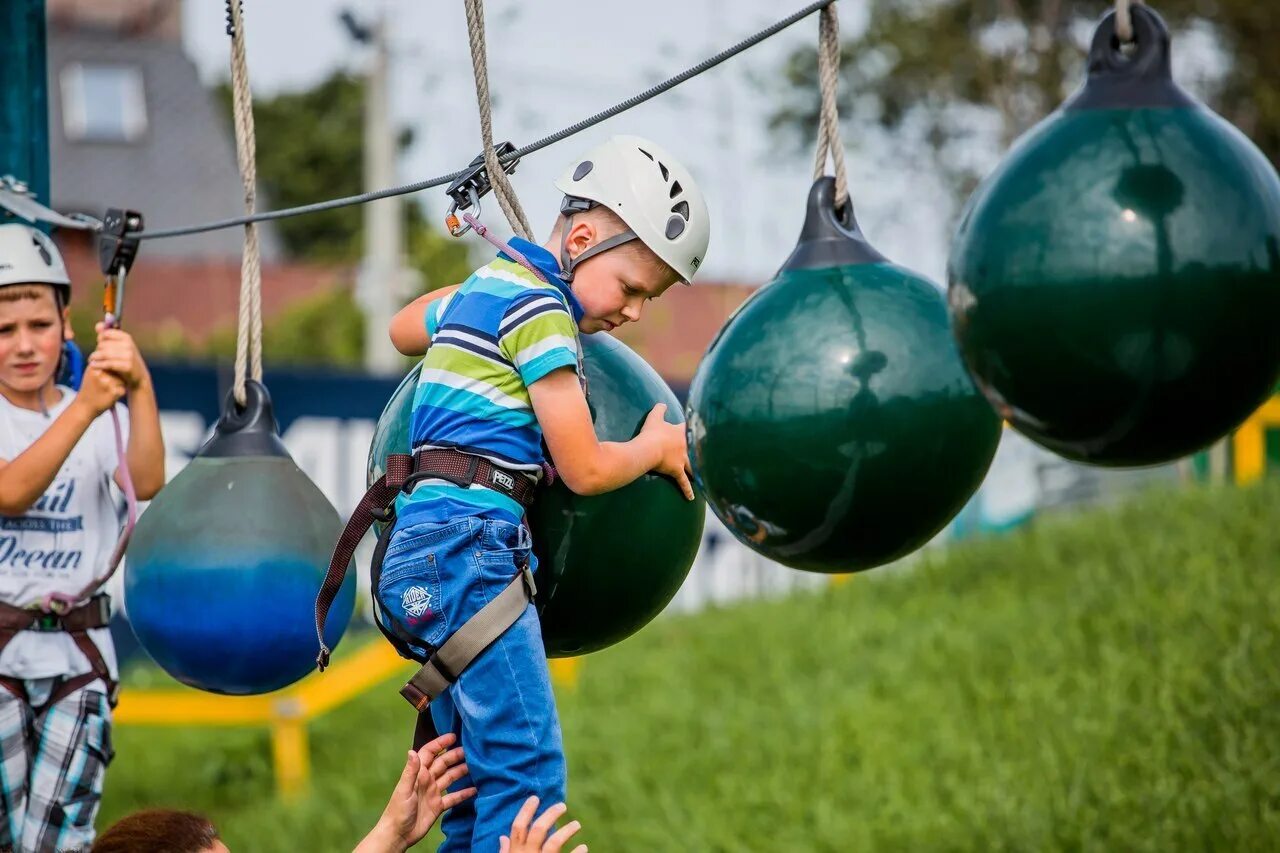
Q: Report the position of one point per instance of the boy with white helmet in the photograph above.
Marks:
(58, 526)
(501, 377)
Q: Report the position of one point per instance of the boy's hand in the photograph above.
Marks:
(419, 797)
(118, 354)
(533, 839)
(675, 449)
(99, 390)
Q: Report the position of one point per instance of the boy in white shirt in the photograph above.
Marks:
(59, 523)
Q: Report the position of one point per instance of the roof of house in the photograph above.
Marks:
(182, 170)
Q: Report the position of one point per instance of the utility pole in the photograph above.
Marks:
(383, 282)
(24, 96)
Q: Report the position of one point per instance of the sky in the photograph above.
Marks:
(552, 63)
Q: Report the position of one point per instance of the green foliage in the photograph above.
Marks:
(930, 67)
(1105, 681)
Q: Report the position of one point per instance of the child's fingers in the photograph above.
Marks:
(408, 775)
(581, 848)
(453, 774)
(504, 845)
(443, 762)
(520, 826)
(686, 488)
(563, 834)
(538, 832)
(437, 746)
(448, 801)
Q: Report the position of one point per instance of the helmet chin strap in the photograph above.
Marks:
(569, 207)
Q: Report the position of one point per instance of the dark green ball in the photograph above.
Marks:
(832, 425)
(1115, 283)
(607, 564)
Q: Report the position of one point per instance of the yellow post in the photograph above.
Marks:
(289, 749)
(286, 712)
(1249, 444)
(564, 672)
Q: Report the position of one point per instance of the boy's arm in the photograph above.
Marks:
(408, 329)
(144, 453)
(589, 466)
(24, 478)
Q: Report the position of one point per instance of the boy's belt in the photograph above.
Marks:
(378, 504)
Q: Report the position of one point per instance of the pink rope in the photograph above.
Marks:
(504, 247)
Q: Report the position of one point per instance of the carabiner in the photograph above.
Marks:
(455, 225)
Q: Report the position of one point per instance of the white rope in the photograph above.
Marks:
(249, 331)
(502, 188)
(1124, 20)
(829, 142)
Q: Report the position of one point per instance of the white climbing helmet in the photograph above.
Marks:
(650, 191)
(28, 256)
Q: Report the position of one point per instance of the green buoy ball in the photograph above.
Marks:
(607, 564)
(832, 425)
(1115, 283)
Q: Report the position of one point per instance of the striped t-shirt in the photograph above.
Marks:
(499, 333)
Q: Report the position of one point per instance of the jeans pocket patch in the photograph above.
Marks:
(409, 592)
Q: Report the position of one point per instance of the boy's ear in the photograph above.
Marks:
(581, 237)
(68, 333)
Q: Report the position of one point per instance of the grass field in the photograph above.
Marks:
(1108, 680)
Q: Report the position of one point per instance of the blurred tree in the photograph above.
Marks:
(943, 69)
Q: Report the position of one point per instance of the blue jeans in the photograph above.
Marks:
(434, 578)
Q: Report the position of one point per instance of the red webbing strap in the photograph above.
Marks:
(372, 507)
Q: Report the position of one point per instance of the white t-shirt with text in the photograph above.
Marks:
(64, 539)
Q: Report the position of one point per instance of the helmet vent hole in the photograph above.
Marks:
(681, 208)
(675, 227)
(676, 189)
(665, 173)
(645, 153)
(584, 169)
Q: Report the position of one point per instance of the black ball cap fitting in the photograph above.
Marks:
(1131, 76)
(248, 430)
(829, 238)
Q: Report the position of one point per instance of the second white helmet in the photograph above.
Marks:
(28, 256)
(651, 192)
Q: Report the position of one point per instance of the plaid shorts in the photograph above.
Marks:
(51, 768)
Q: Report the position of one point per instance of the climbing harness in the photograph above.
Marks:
(76, 622)
(440, 666)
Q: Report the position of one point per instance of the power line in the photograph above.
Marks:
(558, 136)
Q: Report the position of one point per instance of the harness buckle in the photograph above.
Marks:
(386, 515)
(103, 603)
